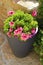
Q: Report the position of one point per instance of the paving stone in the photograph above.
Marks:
(2, 39)
(29, 60)
(7, 52)
(1, 62)
(1, 59)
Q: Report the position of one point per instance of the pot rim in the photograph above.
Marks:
(36, 30)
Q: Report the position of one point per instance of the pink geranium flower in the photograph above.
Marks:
(34, 13)
(11, 23)
(11, 29)
(29, 35)
(8, 34)
(10, 13)
(18, 31)
(24, 36)
(33, 31)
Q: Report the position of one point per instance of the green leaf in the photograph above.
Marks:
(25, 29)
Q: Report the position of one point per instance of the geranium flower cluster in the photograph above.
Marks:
(20, 24)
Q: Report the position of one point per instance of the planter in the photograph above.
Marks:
(20, 26)
(21, 48)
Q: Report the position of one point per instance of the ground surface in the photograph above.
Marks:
(6, 55)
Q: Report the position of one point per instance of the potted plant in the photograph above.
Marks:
(21, 29)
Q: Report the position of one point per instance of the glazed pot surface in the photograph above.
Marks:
(21, 48)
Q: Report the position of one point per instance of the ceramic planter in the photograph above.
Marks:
(21, 48)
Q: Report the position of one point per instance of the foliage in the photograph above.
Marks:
(38, 45)
(40, 9)
(20, 19)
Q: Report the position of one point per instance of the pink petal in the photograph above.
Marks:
(11, 24)
(24, 36)
(33, 31)
(10, 30)
(10, 13)
(18, 31)
(9, 34)
(34, 13)
(29, 35)
(15, 32)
